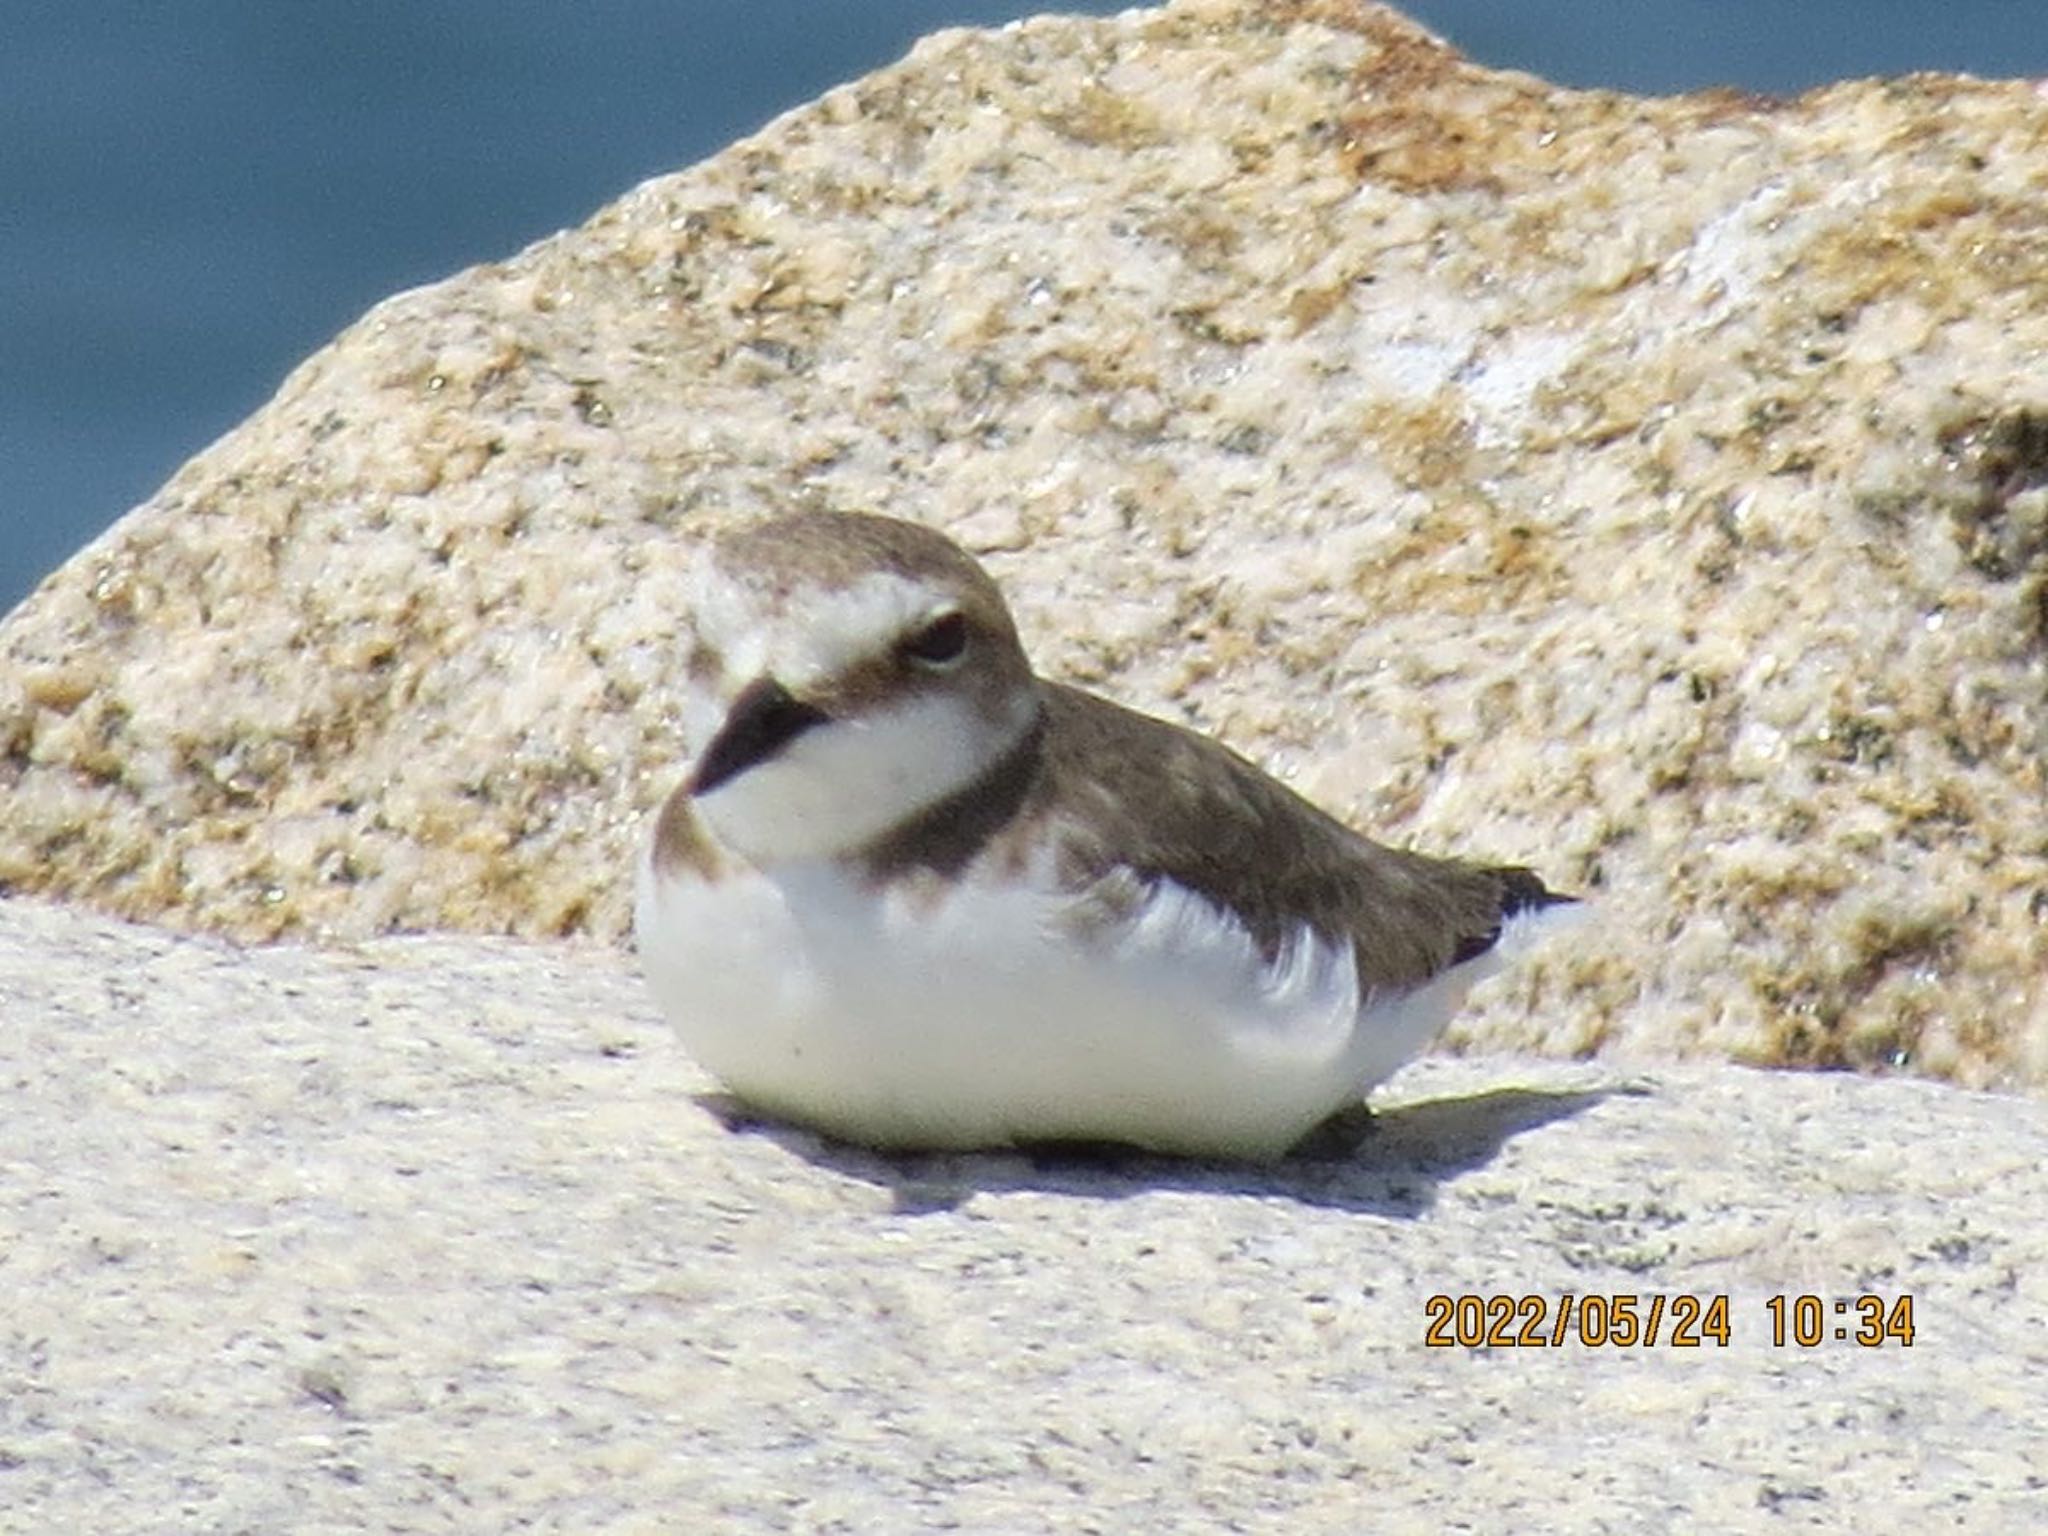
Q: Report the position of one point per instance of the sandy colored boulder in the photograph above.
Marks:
(1654, 491)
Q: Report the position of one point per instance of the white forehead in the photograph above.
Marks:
(808, 635)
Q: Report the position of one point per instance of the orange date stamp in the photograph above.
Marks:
(1625, 1321)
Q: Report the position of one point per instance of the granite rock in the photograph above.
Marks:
(1655, 491)
(446, 1234)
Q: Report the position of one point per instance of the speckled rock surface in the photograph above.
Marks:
(437, 1234)
(1652, 490)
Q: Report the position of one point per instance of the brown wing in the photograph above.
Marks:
(1173, 805)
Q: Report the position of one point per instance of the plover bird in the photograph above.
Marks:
(913, 895)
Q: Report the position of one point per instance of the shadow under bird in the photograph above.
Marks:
(912, 895)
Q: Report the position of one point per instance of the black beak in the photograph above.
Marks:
(763, 720)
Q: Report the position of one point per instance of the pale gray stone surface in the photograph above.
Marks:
(1655, 491)
(439, 1235)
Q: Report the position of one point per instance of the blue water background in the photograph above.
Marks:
(193, 197)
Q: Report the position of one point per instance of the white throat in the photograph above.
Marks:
(841, 785)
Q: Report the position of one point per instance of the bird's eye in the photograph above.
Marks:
(938, 644)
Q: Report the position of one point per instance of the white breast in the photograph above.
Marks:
(984, 1022)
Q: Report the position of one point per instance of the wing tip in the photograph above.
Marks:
(1522, 895)
(1523, 890)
